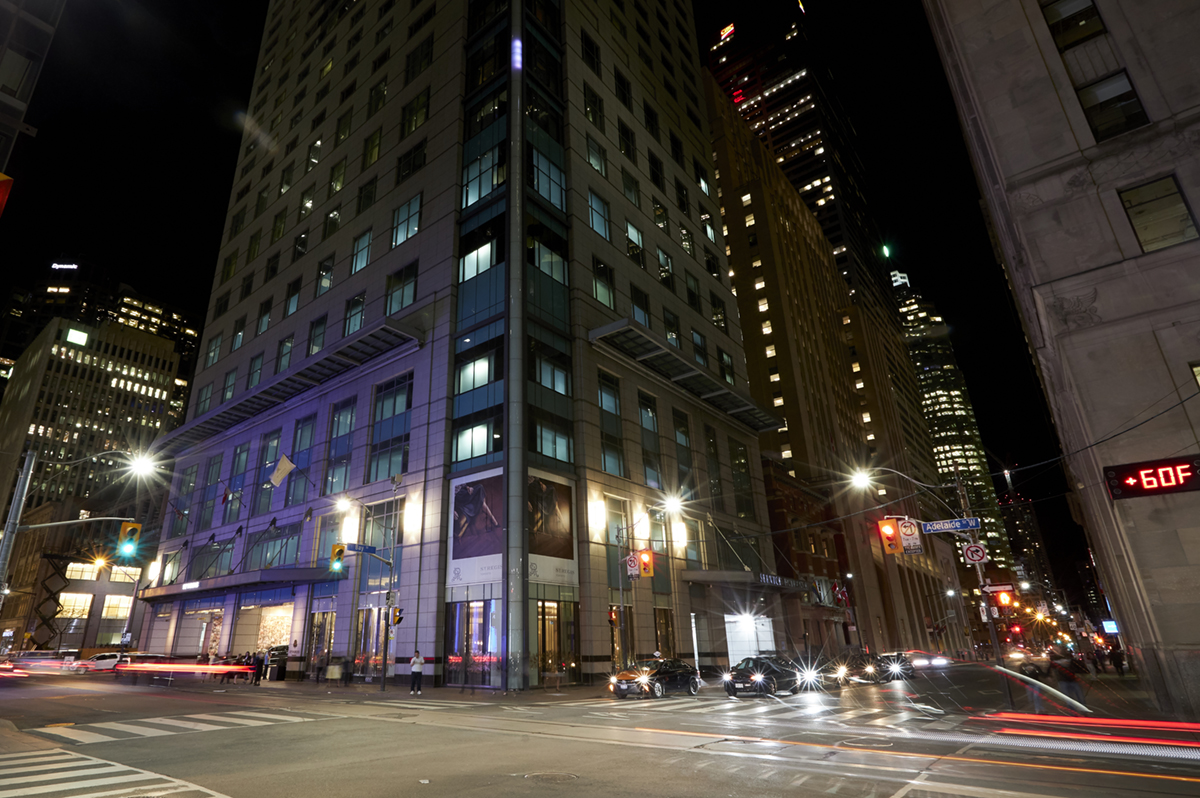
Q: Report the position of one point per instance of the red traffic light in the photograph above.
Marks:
(1016, 628)
(889, 533)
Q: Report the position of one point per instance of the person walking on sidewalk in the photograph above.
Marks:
(418, 668)
(1118, 660)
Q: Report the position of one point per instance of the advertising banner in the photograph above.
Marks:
(477, 528)
(552, 552)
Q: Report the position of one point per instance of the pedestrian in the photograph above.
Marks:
(1118, 660)
(225, 670)
(259, 666)
(321, 662)
(1102, 660)
(418, 668)
(1066, 673)
(347, 671)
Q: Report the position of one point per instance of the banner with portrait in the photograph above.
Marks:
(552, 553)
(477, 529)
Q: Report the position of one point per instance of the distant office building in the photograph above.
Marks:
(763, 64)
(471, 308)
(1080, 120)
(79, 390)
(1030, 559)
(790, 297)
(948, 411)
(26, 30)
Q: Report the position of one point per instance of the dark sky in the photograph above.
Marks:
(133, 163)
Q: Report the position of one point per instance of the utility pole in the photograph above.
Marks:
(14, 519)
(966, 508)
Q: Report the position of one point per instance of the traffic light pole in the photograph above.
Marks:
(387, 610)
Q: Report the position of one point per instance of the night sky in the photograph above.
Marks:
(134, 160)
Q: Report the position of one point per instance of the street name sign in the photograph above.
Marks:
(362, 548)
(952, 525)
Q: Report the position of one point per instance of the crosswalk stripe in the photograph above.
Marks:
(27, 779)
(227, 719)
(31, 758)
(287, 718)
(35, 755)
(141, 731)
(183, 724)
(78, 735)
(60, 763)
(47, 788)
(854, 713)
(890, 719)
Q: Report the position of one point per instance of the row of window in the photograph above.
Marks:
(400, 291)
(217, 495)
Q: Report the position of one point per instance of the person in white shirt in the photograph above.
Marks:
(418, 667)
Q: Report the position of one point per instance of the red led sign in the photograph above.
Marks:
(1154, 477)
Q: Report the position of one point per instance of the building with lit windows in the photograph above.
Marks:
(950, 416)
(26, 31)
(471, 309)
(1080, 118)
(791, 299)
(762, 63)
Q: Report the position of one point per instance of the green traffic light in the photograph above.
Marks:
(887, 253)
(128, 549)
(337, 566)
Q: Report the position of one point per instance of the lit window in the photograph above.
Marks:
(749, 220)
(766, 328)
(745, 199)
(763, 306)
(82, 570)
(855, 367)
(771, 350)
(116, 608)
(866, 417)
(760, 284)
(778, 401)
(845, 319)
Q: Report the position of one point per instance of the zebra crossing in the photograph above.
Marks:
(767, 710)
(110, 731)
(428, 704)
(65, 774)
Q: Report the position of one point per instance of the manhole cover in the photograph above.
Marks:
(556, 778)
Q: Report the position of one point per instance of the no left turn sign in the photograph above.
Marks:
(975, 554)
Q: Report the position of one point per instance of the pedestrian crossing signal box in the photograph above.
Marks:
(646, 562)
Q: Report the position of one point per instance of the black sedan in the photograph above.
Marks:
(768, 675)
(895, 665)
(654, 678)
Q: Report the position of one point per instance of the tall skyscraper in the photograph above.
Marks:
(763, 64)
(950, 415)
(471, 309)
(1079, 117)
(26, 30)
(792, 298)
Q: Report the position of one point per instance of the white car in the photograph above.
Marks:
(99, 663)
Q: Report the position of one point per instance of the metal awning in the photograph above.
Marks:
(638, 343)
(242, 581)
(380, 338)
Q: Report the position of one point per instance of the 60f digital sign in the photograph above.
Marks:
(1153, 477)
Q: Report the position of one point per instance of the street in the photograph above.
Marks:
(74, 736)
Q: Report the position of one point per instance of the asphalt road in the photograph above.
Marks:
(94, 736)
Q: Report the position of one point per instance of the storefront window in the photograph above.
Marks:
(473, 634)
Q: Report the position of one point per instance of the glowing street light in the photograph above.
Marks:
(861, 480)
(343, 505)
(673, 504)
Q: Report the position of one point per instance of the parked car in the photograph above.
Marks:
(768, 675)
(654, 678)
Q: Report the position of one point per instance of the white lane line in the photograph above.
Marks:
(183, 724)
(284, 718)
(227, 719)
(141, 731)
(78, 735)
(890, 719)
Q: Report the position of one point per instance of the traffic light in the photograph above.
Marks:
(612, 618)
(889, 533)
(646, 562)
(336, 556)
(397, 616)
(127, 539)
(1015, 628)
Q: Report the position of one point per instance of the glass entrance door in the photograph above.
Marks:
(320, 642)
(557, 641)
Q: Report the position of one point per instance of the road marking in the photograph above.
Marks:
(227, 719)
(183, 724)
(78, 735)
(141, 731)
(78, 776)
(421, 703)
(892, 719)
(31, 768)
(287, 718)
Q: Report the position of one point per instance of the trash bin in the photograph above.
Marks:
(277, 672)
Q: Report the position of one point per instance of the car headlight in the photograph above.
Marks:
(756, 677)
(1017, 655)
(809, 676)
(643, 679)
(940, 661)
(842, 671)
(870, 669)
(612, 679)
(895, 667)
(726, 677)
(920, 662)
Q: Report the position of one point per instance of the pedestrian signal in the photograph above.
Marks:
(889, 533)
(336, 556)
(646, 562)
(1004, 598)
(612, 618)
(127, 539)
